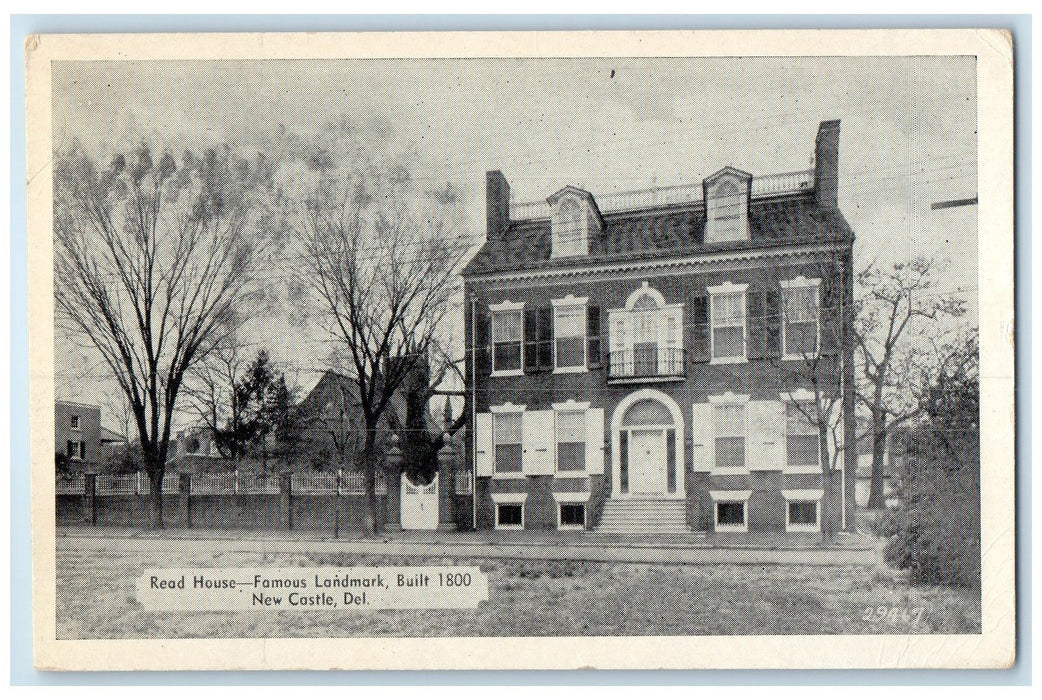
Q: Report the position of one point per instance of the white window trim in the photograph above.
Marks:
(731, 497)
(568, 303)
(507, 408)
(579, 498)
(729, 399)
(75, 423)
(507, 306)
(801, 282)
(571, 405)
(803, 496)
(723, 289)
(509, 499)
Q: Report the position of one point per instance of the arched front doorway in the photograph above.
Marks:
(647, 446)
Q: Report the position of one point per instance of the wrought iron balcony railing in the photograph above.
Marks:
(647, 363)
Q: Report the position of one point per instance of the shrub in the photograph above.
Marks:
(936, 526)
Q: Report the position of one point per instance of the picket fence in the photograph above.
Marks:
(351, 484)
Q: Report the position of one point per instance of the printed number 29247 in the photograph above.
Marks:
(893, 615)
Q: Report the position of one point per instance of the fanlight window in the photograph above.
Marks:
(647, 412)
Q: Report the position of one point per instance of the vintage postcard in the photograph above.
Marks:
(610, 350)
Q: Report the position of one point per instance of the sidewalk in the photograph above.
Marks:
(694, 548)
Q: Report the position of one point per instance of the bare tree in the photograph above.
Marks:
(897, 318)
(807, 341)
(152, 256)
(379, 261)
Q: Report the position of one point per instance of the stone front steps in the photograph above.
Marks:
(643, 516)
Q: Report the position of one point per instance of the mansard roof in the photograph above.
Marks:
(663, 232)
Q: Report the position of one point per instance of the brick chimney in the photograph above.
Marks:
(826, 164)
(497, 205)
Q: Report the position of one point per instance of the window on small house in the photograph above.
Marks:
(74, 422)
(803, 513)
(801, 434)
(507, 442)
(571, 441)
(800, 313)
(510, 515)
(728, 326)
(730, 513)
(573, 515)
(570, 335)
(729, 426)
(506, 340)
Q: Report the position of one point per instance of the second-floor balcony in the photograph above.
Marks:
(650, 362)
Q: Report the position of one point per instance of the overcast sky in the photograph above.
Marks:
(908, 128)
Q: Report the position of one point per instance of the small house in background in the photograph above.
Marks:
(77, 437)
(193, 450)
(333, 426)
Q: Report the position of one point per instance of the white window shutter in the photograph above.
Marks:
(537, 452)
(767, 435)
(702, 437)
(485, 448)
(595, 441)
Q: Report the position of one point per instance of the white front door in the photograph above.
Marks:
(647, 462)
(419, 505)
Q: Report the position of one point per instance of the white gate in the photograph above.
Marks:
(419, 505)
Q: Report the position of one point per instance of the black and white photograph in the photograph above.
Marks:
(573, 353)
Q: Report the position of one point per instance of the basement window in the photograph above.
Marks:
(730, 514)
(572, 516)
(510, 516)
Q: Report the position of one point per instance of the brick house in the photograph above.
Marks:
(634, 361)
(77, 435)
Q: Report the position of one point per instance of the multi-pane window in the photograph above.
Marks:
(730, 513)
(729, 427)
(801, 434)
(800, 315)
(728, 313)
(510, 515)
(74, 422)
(573, 515)
(571, 441)
(570, 335)
(569, 229)
(507, 429)
(803, 513)
(728, 204)
(506, 340)
(76, 449)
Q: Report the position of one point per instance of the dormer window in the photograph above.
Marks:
(574, 223)
(727, 206)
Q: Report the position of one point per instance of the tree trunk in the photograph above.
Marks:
(155, 497)
(370, 519)
(828, 496)
(876, 493)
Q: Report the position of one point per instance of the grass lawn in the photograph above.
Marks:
(527, 598)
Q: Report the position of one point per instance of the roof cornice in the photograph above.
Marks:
(697, 260)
